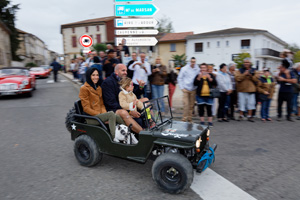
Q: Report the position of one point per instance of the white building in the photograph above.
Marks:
(223, 46)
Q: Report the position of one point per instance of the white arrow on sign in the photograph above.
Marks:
(137, 32)
(141, 22)
(137, 41)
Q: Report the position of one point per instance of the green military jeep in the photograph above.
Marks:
(176, 147)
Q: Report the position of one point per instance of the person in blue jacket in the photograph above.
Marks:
(56, 66)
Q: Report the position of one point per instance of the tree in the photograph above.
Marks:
(8, 16)
(297, 57)
(179, 61)
(99, 47)
(293, 47)
(165, 25)
(239, 60)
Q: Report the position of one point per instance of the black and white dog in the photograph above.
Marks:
(124, 135)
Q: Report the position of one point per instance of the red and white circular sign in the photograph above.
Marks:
(86, 41)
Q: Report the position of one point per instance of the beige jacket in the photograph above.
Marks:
(91, 100)
(246, 83)
(126, 101)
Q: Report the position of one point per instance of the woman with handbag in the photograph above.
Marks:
(225, 87)
(205, 82)
(265, 88)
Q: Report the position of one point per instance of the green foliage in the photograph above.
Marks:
(165, 25)
(240, 59)
(99, 47)
(179, 61)
(293, 47)
(31, 64)
(8, 16)
(297, 57)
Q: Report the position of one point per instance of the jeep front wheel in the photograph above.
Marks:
(173, 173)
(86, 151)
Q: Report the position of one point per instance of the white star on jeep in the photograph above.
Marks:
(73, 127)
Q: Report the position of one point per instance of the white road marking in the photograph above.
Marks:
(211, 186)
(52, 81)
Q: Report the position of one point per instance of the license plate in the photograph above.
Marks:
(7, 93)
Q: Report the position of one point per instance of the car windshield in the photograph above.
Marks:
(157, 112)
(45, 66)
(5, 72)
(37, 69)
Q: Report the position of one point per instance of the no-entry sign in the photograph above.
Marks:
(86, 41)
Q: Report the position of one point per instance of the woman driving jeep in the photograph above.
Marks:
(92, 102)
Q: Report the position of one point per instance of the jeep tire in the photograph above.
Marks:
(86, 151)
(70, 117)
(173, 173)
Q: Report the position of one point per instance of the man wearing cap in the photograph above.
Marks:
(246, 79)
(109, 63)
(285, 78)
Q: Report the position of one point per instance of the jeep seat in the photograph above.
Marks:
(81, 114)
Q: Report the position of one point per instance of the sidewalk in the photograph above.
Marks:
(178, 105)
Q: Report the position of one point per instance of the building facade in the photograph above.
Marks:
(5, 50)
(171, 44)
(223, 46)
(101, 30)
(32, 49)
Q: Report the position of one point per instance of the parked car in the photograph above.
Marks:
(16, 80)
(47, 68)
(39, 72)
(177, 147)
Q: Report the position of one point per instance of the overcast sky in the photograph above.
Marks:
(281, 18)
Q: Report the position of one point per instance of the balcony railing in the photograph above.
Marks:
(266, 52)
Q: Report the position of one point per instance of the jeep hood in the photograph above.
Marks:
(180, 131)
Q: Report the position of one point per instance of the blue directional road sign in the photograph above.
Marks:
(135, 10)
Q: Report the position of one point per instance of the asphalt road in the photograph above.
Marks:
(37, 159)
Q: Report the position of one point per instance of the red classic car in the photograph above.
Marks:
(39, 72)
(16, 80)
(47, 68)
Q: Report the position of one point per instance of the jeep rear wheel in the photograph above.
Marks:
(69, 118)
(173, 173)
(86, 151)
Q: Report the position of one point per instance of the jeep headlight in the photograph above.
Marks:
(25, 82)
(208, 133)
(198, 143)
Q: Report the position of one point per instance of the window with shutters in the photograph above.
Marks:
(172, 47)
(74, 41)
(98, 37)
(73, 30)
(199, 47)
(98, 28)
(245, 44)
(86, 29)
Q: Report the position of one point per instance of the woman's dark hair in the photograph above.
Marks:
(96, 59)
(89, 73)
(222, 65)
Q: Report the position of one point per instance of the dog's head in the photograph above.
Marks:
(121, 132)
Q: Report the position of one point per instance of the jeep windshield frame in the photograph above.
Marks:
(157, 111)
